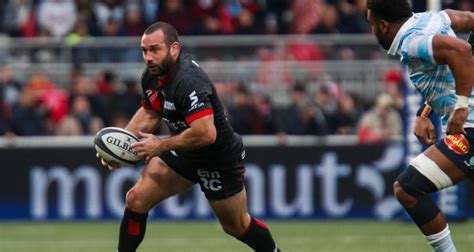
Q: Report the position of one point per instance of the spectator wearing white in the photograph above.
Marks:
(109, 11)
(57, 17)
(381, 123)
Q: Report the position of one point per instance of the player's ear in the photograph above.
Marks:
(384, 26)
(175, 49)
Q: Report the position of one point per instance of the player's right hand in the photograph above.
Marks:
(109, 164)
(424, 130)
(456, 121)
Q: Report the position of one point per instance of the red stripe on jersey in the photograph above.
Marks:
(133, 227)
(146, 106)
(199, 114)
(260, 223)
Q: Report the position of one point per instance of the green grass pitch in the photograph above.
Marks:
(298, 236)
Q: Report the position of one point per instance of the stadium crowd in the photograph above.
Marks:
(60, 18)
(39, 106)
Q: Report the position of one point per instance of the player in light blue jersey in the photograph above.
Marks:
(442, 69)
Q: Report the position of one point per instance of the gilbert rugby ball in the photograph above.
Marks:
(114, 144)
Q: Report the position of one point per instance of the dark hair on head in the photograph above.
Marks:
(170, 33)
(390, 10)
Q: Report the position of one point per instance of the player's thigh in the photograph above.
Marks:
(232, 212)
(156, 183)
(445, 164)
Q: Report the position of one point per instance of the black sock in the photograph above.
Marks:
(132, 231)
(258, 237)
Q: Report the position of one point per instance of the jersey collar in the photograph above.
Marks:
(163, 81)
(395, 47)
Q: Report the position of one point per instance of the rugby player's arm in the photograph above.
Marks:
(461, 21)
(201, 132)
(456, 53)
(144, 120)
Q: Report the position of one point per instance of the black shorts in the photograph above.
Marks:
(460, 150)
(218, 178)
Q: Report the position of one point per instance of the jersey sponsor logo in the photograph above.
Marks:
(210, 179)
(169, 105)
(193, 97)
(152, 94)
(153, 98)
(457, 143)
(194, 101)
(196, 106)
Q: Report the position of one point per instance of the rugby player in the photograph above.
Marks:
(203, 147)
(441, 68)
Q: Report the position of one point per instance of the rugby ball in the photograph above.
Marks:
(115, 144)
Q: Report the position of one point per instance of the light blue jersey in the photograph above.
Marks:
(435, 83)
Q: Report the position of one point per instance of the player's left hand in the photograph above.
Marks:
(456, 121)
(148, 147)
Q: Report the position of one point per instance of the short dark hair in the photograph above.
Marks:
(170, 33)
(390, 10)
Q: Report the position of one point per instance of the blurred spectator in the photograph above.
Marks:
(86, 14)
(348, 114)
(120, 120)
(329, 22)
(246, 23)
(128, 101)
(56, 17)
(19, 18)
(108, 87)
(243, 113)
(353, 17)
(9, 88)
(83, 86)
(174, 12)
(272, 68)
(81, 120)
(107, 12)
(290, 117)
(79, 37)
(133, 24)
(314, 121)
(381, 123)
(51, 99)
(326, 100)
(9, 95)
(267, 115)
(278, 15)
(393, 85)
(302, 51)
(111, 52)
(306, 15)
(149, 10)
(212, 16)
(27, 117)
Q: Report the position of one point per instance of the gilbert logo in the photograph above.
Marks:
(124, 145)
(457, 143)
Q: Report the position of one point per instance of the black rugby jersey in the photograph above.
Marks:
(185, 95)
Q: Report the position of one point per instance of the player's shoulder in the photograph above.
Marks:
(190, 72)
(188, 66)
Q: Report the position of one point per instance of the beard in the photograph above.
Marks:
(163, 68)
(383, 42)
